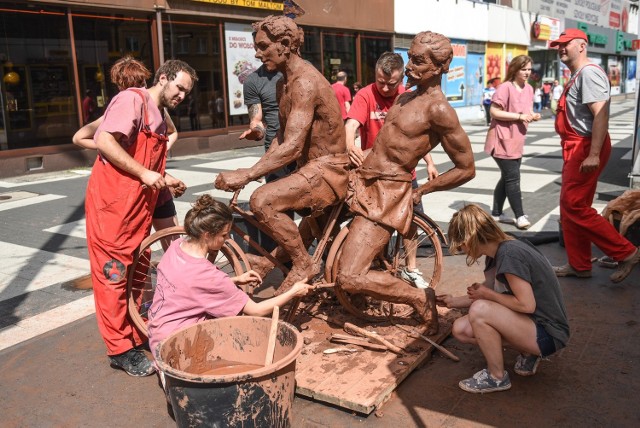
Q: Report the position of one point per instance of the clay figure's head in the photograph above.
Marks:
(175, 79)
(389, 69)
(430, 55)
(277, 39)
(208, 223)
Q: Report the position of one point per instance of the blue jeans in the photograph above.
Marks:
(508, 187)
(545, 341)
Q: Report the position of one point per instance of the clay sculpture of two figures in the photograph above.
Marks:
(379, 192)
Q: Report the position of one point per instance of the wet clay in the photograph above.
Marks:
(627, 206)
(224, 367)
(215, 375)
(311, 133)
(380, 190)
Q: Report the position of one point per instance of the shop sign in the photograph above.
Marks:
(595, 39)
(254, 4)
(603, 13)
(545, 28)
(635, 44)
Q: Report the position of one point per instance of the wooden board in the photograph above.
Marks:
(359, 381)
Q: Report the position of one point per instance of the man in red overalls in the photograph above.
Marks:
(121, 196)
(582, 122)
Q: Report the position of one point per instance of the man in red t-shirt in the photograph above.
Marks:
(367, 113)
(342, 93)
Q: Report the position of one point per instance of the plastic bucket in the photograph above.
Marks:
(215, 374)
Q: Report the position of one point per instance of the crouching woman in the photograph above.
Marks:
(519, 304)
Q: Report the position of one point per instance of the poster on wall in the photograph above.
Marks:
(474, 78)
(614, 71)
(456, 88)
(494, 62)
(630, 82)
(241, 62)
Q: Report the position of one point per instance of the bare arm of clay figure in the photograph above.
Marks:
(111, 149)
(456, 144)
(84, 136)
(256, 129)
(297, 128)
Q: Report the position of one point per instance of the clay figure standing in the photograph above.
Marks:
(311, 133)
(380, 192)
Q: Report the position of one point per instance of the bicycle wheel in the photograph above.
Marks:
(141, 282)
(392, 259)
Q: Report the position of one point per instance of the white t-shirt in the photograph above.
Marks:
(557, 91)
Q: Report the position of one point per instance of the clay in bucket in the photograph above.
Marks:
(215, 373)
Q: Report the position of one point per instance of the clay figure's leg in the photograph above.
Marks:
(364, 241)
(269, 204)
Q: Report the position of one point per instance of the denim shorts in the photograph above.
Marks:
(166, 210)
(545, 341)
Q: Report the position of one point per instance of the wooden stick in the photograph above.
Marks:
(271, 345)
(350, 328)
(357, 341)
(440, 348)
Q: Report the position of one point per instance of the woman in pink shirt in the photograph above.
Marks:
(191, 289)
(511, 113)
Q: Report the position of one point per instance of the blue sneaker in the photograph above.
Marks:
(482, 382)
(526, 365)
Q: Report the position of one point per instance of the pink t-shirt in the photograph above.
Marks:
(343, 95)
(505, 139)
(124, 116)
(189, 290)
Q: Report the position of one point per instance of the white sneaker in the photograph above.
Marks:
(414, 277)
(523, 222)
(503, 218)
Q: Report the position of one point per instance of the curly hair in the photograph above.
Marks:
(438, 47)
(206, 215)
(172, 67)
(128, 72)
(279, 27)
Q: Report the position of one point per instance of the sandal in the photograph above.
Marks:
(625, 267)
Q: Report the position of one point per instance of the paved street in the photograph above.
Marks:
(42, 232)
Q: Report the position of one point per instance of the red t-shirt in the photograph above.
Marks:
(343, 95)
(370, 108)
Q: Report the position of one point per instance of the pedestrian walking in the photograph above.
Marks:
(511, 112)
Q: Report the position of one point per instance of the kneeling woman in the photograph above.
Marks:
(191, 289)
(528, 316)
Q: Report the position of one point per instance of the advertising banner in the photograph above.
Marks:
(241, 62)
(455, 88)
(604, 13)
(474, 78)
(494, 62)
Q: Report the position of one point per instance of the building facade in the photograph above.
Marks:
(57, 55)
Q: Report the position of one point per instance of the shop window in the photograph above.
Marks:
(204, 108)
(339, 55)
(37, 109)
(311, 47)
(370, 50)
(100, 41)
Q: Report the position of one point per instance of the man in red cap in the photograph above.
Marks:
(582, 121)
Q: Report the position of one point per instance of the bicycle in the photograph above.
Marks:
(232, 260)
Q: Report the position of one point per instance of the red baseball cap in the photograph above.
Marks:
(567, 35)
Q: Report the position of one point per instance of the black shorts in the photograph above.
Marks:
(166, 210)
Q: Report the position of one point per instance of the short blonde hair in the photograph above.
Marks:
(472, 226)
